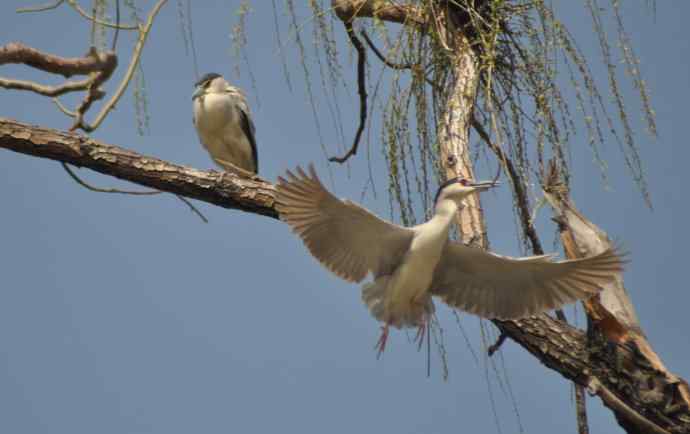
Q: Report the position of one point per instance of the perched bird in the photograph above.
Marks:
(224, 124)
(412, 264)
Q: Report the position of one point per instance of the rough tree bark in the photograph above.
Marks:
(223, 189)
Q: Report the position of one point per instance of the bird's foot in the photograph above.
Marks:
(381, 343)
(229, 167)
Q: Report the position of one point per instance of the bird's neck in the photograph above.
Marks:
(444, 213)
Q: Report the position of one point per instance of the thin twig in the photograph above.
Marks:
(43, 8)
(117, 23)
(383, 58)
(64, 109)
(361, 89)
(496, 345)
(136, 55)
(194, 209)
(61, 89)
(93, 19)
(192, 45)
(520, 193)
(90, 187)
(105, 190)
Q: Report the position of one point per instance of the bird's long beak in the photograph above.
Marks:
(484, 185)
(197, 92)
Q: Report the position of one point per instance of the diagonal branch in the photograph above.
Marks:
(45, 90)
(223, 189)
(383, 58)
(18, 53)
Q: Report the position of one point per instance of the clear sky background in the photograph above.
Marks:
(123, 314)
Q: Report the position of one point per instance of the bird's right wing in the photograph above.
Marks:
(346, 238)
(494, 286)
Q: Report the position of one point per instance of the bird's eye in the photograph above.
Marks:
(464, 182)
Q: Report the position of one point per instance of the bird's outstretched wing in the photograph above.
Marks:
(346, 238)
(494, 286)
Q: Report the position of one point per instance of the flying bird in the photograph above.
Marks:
(412, 264)
(224, 124)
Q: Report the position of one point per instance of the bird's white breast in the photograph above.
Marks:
(408, 291)
(217, 122)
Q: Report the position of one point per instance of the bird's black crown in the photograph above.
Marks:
(207, 77)
(457, 180)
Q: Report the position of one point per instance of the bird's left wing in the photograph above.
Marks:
(249, 130)
(346, 238)
(494, 286)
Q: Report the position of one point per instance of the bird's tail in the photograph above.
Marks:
(373, 295)
(411, 315)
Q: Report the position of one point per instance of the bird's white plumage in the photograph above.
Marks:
(349, 240)
(224, 125)
(409, 265)
(494, 286)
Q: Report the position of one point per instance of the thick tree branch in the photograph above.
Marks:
(348, 10)
(223, 189)
(16, 52)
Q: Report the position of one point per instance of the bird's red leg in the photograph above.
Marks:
(381, 344)
(419, 337)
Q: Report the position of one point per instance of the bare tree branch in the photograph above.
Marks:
(41, 8)
(347, 10)
(227, 190)
(16, 52)
(61, 89)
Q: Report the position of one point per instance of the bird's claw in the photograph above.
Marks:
(381, 343)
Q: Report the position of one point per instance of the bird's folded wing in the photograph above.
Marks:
(346, 238)
(494, 286)
(250, 131)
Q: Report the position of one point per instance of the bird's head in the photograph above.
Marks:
(209, 83)
(456, 189)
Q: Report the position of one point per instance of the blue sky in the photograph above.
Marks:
(123, 314)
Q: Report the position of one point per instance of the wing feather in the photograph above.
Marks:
(494, 286)
(346, 238)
